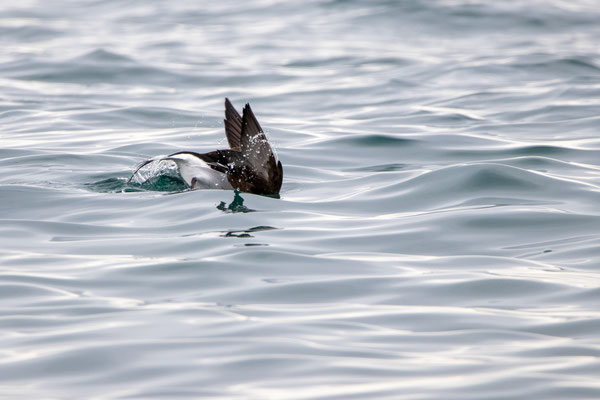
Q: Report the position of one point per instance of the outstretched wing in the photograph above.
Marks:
(233, 126)
(254, 168)
(255, 146)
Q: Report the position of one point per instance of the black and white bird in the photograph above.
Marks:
(249, 165)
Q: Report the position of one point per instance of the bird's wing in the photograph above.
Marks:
(233, 126)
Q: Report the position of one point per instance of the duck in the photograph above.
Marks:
(249, 164)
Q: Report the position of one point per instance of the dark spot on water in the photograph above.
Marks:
(261, 228)
(380, 168)
(547, 251)
(237, 205)
(375, 140)
(238, 235)
(246, 233)
(540, 150)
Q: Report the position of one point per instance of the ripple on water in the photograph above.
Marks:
(436, 235)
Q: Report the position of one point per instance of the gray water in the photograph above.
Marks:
(437, 234)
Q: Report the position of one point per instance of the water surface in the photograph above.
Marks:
(436, 236)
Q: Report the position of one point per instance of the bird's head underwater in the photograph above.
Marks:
(248, 165)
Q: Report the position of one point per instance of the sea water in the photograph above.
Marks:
(437, 234)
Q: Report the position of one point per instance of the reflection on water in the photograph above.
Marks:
(247, 232)
(236, 205)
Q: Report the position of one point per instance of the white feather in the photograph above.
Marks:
(197, 174)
